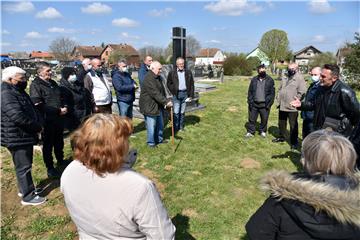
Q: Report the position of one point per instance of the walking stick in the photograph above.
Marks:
(172, 127)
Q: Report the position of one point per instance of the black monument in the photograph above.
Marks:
(179, 44)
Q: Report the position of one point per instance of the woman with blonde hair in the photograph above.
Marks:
(321, 203)
(106, 199)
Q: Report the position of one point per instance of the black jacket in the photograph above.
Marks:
(304, 207)
(341, 104)
(20, 121)
(81, 73)
(269, 91)
(355, 139)
(152, 95)
(47, 97)
(78, 101)
(173, 82)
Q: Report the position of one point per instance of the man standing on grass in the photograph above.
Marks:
(261, 96)
(143, 70)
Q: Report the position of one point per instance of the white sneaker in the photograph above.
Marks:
(249, 135)
(37, 200)
(263, 134)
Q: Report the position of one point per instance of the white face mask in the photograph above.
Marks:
(72, 78)
(124, 69)
(89, 67)
(315, 78)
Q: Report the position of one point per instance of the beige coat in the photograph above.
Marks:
(289, 89)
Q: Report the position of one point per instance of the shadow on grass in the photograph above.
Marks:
(244, 237)
(139, 127)
(293, 156)
(48, 185)
(181, 223)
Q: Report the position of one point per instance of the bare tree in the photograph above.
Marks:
(192, 45)
(157, 53)
(62, 48)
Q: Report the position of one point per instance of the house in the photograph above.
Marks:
(38, 56)
(207, 56)
(257, 52)
(341, 55)
(81, 52)
(303, 57)
(125, 50)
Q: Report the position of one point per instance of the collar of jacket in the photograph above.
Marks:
(335, 86)
(343, 205)
(45, 82)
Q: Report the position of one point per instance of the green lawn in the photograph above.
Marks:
(207, 192)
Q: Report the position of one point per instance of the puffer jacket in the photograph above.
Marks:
(341, 104)
(304, 207)
(124, 86)
(20, 121)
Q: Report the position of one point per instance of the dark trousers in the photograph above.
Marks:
(253, 115)
(22, 158)
(53, 139)
(294, 131)
(308, 127)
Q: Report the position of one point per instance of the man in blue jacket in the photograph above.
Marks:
(124, 88)
(144, 68)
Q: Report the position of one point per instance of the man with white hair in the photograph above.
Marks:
(20, 126)
(84, 68)
(96, 83)
(152, 102)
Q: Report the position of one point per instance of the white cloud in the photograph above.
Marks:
(33, 35)
(161, 12)
(126, 35)
(5, 44)
(214, 41)
(60, 30)
(319, 39)
(49, 13)
(96, 8)
(124, 22)
(320, 7)
(5, 32)
(19, 7)
(232, 7)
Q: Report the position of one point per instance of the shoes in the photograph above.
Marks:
(249, 135)
(53, 173)
(151, 146)
(37, 192)
(37, 200)
(182, 130)
(276, 140)
(132, 136)
(263, 134)
(294, 146)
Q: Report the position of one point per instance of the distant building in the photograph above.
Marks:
(207, 56)
(257, 52)
(81, 52)
(38, 56)
(303, 57)
(125, 50)
(341, 55)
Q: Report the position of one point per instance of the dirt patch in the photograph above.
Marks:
(249, 163)
(196, 173)
(168, 167)
(232, 109)
(239, 192)
(190, 213)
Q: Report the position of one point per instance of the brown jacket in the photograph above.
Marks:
(289, 89)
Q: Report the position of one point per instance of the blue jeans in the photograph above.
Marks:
(154, 128)
(125, 109)
(179, 110)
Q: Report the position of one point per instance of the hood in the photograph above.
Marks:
(324, 197)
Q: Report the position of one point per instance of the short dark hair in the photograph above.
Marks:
(335, 70)
(67, 71)
(41, 65)
(260, 66)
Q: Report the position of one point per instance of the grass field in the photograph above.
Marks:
(209, 185)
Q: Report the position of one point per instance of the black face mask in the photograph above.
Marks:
(99, 71)
(21, 85)
(291, 72)
(262, 74)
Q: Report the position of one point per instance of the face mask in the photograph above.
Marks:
(291, 72)
(89, 67)
(98, 71)
(124, 69)
(72, 78)
(262, 74)
(315, 78)
(21, 85)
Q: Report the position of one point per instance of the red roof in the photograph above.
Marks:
(39, 54)
(89, 51)
(207, 52)
(124, 48)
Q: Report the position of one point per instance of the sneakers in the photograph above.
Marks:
(37, 200)
(263, 134)
(249, 135)
(53, 173)
(37, 192)
(277, 140)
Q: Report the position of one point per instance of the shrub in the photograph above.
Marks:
(237, 65)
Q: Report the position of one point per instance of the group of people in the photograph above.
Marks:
(126, 204)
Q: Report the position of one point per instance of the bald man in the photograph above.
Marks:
(96, 83)
(292, 86)
(308, 116)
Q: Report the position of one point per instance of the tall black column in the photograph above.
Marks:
(179, 43)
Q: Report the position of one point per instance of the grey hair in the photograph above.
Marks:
(122, 61)
(40, 66)
(11, 72)
(328, 152)
(155, 64)
(86, 61)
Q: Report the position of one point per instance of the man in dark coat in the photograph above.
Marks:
(77, 97)
(355, 139)
(20, 126)
(143, 70)
(152, 102)
(181, 85)
(84, 68)
(335, 106)
(261, 96)
(47, 97)
(124, 87)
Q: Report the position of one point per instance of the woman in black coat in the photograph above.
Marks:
(77, 98)
(322, 203)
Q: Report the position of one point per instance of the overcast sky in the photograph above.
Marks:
(235, 26)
